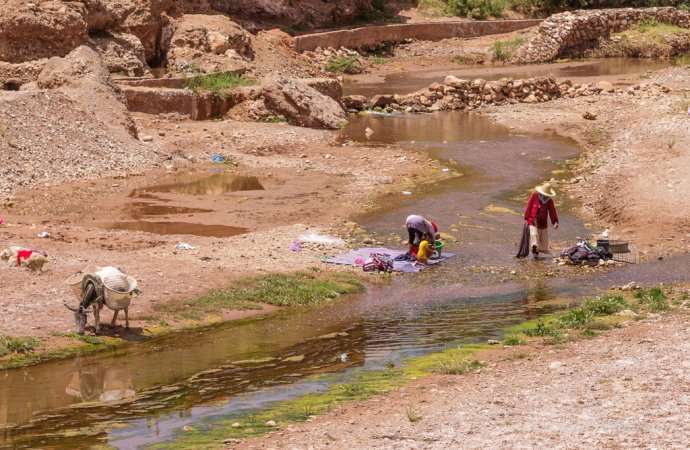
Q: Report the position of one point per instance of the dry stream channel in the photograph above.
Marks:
(148, 392)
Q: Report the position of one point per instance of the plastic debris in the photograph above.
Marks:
(217, 159)
(406, 193)
(45, 234)
(184, 246)
(310, 236)
(295, 247)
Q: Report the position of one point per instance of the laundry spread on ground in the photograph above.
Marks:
(359, 256)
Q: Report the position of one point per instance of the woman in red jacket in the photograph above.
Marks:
(540, 208)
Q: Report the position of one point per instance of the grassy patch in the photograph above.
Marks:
(345, 64)
(451, 364)
(649, 39)
(216, 83)
(93, 340)
(541, 329)
(604, 305)
(653, 298)
(503, 50)
(514, 340)
(296, 289)
(17, 345)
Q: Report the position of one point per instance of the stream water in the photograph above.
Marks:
(147, 392)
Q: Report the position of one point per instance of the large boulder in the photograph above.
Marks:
(30, 31)
(300, 104)
(212, 43)
(121, 53)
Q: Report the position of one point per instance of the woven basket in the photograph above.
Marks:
(74, 280)
(118, 299)
(114, 299)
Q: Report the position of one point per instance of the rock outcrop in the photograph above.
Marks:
(210, 44)
(264, 14)
(569, 34)
(300, 104)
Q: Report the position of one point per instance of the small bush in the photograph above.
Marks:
(576, 318)
(345, 64)
(541, 329)
(17, 345)
(654, 298)
(476, 9)
(604, 305)
(503, 50)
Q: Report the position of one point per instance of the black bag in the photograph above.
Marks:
(524, 243)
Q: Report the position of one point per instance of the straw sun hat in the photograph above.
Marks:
(546, 189)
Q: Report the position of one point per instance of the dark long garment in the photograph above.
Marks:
(524, 243)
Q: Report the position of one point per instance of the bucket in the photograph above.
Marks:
(438, 247)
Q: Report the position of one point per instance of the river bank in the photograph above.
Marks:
(633, 161)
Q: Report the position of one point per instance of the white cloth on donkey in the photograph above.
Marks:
(114, 279)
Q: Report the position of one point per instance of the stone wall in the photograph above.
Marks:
(570, 34)
(371, 37)
(457, 93)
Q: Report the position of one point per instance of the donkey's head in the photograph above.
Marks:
(80, 313)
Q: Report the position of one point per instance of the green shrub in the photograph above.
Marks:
(476, 9)
(503, 50)
(604, 305)
(654, 298)
(345, 64)
(18, 345)
(541, 329)
(215, 83)
(576, 318)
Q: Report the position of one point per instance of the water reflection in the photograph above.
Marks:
(216, 184)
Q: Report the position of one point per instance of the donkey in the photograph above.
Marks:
(92, 295)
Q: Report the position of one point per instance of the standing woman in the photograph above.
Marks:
(540, 208)
(416, 227)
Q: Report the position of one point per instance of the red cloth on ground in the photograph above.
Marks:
(23, 254)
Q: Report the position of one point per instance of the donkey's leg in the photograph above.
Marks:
(127, 318)
(115, 313)
(97, 317)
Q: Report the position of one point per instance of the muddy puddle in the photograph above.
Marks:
(150, 392)
(169, 204)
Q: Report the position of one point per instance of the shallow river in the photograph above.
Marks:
(149, 391)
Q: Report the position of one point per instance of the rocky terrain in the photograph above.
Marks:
(72, 150)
